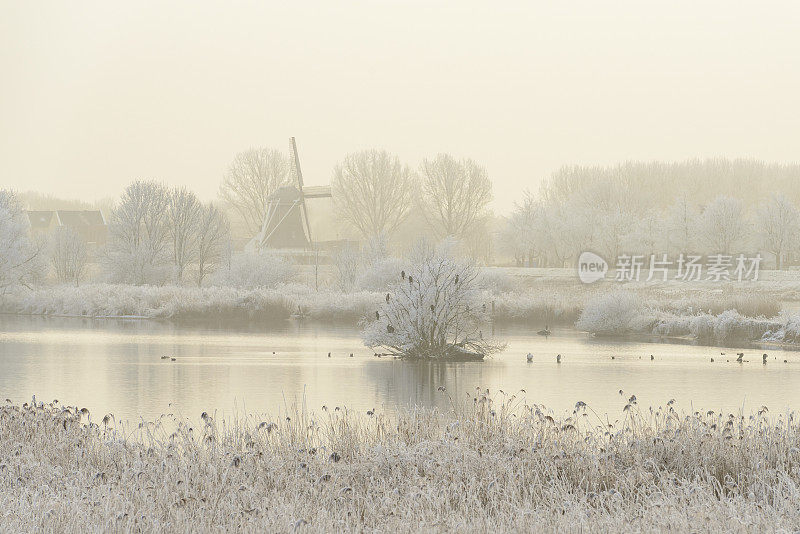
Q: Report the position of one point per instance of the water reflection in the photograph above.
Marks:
(116, 366)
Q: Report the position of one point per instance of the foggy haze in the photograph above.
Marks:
(399, 266)
(95, 95)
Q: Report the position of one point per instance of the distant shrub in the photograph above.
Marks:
(380, 275)
(255, 271)
(617, 312)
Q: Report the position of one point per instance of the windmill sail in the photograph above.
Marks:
(288, 223)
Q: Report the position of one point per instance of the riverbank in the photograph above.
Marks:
(504, 467)
(701, 310)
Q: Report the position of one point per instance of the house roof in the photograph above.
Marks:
(39, 219)
(75, 218)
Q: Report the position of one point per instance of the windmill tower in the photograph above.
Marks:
(287, 224)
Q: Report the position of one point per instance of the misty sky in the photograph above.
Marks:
(94, 95)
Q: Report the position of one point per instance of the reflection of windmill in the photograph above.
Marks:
(287, 223)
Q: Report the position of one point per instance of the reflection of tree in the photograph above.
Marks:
(409, 383)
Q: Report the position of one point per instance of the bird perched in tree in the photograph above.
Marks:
(456, 281)
(432, 308)
(377, 315)
(390, 329)
(387, 297)
(764, 358)
(410, 279)
(403, 275)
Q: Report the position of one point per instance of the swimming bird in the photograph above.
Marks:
(712, 360)
(351, 354)
(764, 359)
(165, 357)
(173, 359)
(530, 357)
(329, 355)
(545, 331)
(558, 358)
(613, 357)
(390, 329)
(651, 358)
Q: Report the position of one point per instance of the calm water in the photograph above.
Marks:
(116, 366)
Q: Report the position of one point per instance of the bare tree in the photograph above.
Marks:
(20, 257)
(778, 226)
(212, 237)
(185, 211)
(454, 194)
(68, 255)
(434, 310)
(372, 191)
(139, 234)
(723, 225)
(251, 178)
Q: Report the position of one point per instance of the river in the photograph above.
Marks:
(116, 366)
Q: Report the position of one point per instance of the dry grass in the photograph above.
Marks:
(485, 466)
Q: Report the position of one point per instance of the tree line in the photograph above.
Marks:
(373, 191)
(702, 207)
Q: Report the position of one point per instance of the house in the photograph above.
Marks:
(88, 224)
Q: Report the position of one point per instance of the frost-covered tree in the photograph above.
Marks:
(68, 255)
(613, 227)
(185, 211)
(681, 221)
(454, 194)
(252, 177)
(434, 310)
(372, 191)
(647, 234)
(519, 233)
(139, 236)
(212, 237)
(21, 260)
(778, 225)
(723, 225)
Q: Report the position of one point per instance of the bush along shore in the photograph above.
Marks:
(725, 314)
(484, 465)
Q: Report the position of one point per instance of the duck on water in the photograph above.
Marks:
(545, 331)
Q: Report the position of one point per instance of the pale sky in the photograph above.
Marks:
(94, 95)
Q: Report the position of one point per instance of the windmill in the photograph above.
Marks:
(286, 223)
